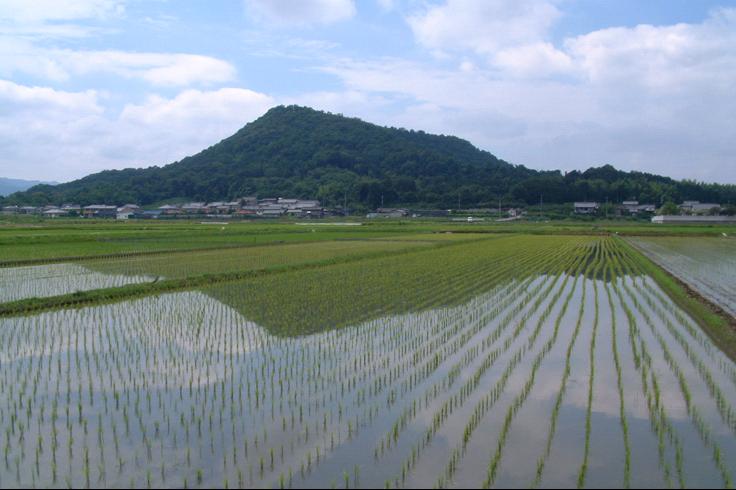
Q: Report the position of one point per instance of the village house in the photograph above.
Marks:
(72, 209)
(100, 211)
(698, 208)
(634, 208)
(54, 213)
(586, 207)
(169, 210)
(129, 208)
(195, 208)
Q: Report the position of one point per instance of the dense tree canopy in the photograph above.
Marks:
(299, 152)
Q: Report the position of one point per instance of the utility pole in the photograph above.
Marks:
(345, 204)
(541, 203)
(458, 200)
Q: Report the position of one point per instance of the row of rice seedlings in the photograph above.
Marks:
(619, 384)
(414, 453)
(541, 463)
(727, 413)
(699, 423)
(489, 400)
(518, 402)
(724, 364)
(457, 400)
(582, 473)
(658, 417)
(478, 323)
(512, 298)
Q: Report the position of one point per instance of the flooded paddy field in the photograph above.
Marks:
(513, 362)
(706, 264)
(40, 281)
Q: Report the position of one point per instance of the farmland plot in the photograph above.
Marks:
(565, 366)
(41, 281)
(243, 259)
(706, 264)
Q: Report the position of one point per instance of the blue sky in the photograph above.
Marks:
(88, 85)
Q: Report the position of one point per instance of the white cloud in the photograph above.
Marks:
(533, 60)
(157, 68)
(33, 11)
(13, 96)
(302, 12)
(661, 56)
(386, 5)
(229, 106)
(56, 19)
(482, 26)
(652, 98)
(167, 69)
(65, 135)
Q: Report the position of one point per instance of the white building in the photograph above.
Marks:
(694, 220)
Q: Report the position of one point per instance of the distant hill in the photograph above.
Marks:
(300, 152)
(9, 186)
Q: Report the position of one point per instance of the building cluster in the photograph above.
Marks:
(697, 208)
(626, 208)
(696, 212)
(246, 207)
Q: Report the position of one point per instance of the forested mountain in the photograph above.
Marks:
(300, 152)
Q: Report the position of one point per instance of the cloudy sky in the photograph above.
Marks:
(87, 85)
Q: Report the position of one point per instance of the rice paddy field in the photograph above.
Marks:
(390, 358)
(706, 264)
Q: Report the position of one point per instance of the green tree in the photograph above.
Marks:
(669, 209)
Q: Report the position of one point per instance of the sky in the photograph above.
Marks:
(89, 85)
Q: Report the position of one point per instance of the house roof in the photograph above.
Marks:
(100, 207)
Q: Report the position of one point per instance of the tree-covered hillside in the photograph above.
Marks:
(299, 152)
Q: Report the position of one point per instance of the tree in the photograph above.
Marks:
(669, 209)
